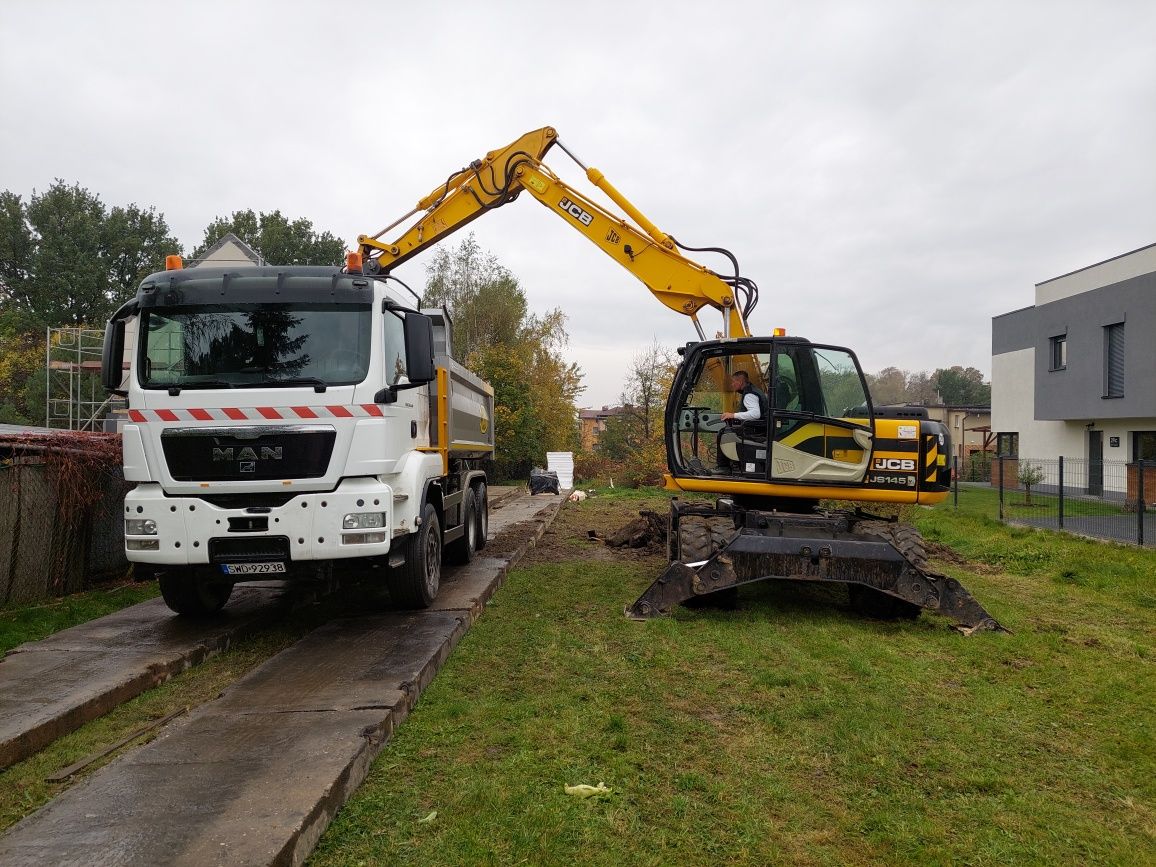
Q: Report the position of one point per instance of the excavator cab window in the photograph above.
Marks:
(815, 420)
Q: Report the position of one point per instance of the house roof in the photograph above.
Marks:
(1105, 261)
(605, 412)
(241, 247)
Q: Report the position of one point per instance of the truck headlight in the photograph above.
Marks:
(142, 544)
(140, 527)
(363, 521)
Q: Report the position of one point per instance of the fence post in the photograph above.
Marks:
(1140, 503)
(955, 476)
(1061, 492)
(1000, 459)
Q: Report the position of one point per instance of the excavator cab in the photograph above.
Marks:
(814, 426)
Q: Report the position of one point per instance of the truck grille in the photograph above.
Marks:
(248, 454)
(254, 549)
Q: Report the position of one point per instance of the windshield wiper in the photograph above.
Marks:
(319, 385)
(175, 390)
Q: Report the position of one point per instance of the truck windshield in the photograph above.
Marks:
(250, 345)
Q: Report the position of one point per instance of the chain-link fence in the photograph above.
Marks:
(47, 550)
(1105, 499)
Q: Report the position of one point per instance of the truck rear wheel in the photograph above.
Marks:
(194, 591)
(482, 496)
(414, 584)
(461, 550)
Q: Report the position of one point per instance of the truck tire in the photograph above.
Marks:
(699, 538)
(194, 591)
(869, 602)
(482, 497)
(414, 584)
(461, 550)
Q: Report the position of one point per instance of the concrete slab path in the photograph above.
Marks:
(256, 776)
(51, 687)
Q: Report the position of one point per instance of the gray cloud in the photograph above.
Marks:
(893, 174)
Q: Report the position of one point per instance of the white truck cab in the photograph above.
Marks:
(284, 418)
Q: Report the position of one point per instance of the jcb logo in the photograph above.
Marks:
(583, 217)
(902, 464)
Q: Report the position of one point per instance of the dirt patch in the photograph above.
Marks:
(939, 551)
(580, 529)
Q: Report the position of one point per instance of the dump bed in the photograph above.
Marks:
(461, 404)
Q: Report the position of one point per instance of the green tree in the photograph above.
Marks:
(519, 353)
(67, 259)
(279, 240)
(962, 386)
(888, 386)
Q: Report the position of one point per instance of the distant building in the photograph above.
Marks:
(970, 427)
(592, 422)
(229, 250)
(1075, 374)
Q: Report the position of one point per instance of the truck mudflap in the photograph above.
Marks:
(876, 559)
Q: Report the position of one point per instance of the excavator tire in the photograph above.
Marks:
(699, 538)
(872, 603)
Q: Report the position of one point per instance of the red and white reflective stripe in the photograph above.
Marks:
(256, 413)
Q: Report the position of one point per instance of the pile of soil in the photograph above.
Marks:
(647, 531)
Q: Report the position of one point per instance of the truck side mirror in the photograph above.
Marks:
(112, 358)
(419, 349)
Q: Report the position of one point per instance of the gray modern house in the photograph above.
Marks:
(1075, 373)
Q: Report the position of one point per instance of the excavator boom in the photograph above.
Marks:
(640, 247)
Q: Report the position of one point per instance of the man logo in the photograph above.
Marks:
(583, 217)
(267, 453)
(905, 465)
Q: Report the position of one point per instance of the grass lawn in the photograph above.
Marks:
(788, 730)
(21, 623)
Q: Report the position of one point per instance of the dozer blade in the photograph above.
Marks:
(865, 561)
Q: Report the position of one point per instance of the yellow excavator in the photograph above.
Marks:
(772, 426)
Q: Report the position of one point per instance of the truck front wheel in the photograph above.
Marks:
(414, 584)
(194, 591)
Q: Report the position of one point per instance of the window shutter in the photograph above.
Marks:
(1115, 335)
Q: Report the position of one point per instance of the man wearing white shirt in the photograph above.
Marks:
(753, 399)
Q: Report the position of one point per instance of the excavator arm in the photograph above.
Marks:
(640, 247)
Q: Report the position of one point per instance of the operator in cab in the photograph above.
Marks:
(753, 399)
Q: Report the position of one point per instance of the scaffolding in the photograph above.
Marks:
(74, 396)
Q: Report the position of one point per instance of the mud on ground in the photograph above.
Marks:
(568, 537)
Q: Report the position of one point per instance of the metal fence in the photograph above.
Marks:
(1104, 499)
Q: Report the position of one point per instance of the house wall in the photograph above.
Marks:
(1076, 393)
(1054, 410)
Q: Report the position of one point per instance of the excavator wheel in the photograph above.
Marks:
(699, 538)
(872, 603)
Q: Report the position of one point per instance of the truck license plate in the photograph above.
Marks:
(252, 568)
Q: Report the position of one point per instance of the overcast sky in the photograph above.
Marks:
(892, 174)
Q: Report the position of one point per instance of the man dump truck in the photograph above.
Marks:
(282, 419)
(811, 435)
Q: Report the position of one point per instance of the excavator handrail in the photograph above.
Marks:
(640, 247)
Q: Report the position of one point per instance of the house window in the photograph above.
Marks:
(1144, 445)
(1007, 445)
(1059, 352)
(1114, 360)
